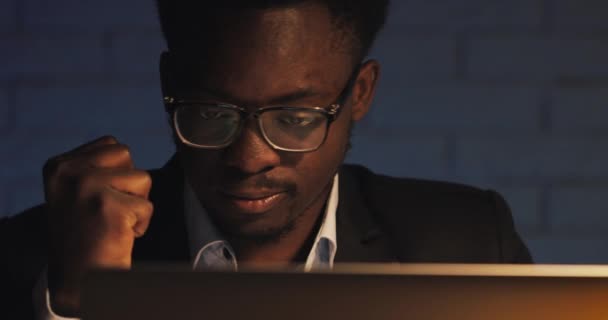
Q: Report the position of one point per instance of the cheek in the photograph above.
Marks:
(318, 168)
(198, 164)
(336, 145)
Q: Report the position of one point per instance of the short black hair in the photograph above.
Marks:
(363, 19)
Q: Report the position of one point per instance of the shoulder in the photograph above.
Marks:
(439, 221)
(23, 250)
(425, 202)
(387, 188)
(24, 234)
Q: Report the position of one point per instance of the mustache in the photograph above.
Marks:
(258, 182)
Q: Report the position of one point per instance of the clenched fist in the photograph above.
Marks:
(97, 204)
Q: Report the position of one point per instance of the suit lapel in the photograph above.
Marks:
(360, 238)
(166, 239)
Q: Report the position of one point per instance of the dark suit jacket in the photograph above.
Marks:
(379, 219)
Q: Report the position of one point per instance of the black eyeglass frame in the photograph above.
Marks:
(331, 112)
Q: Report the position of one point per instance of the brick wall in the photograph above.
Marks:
(509, 95)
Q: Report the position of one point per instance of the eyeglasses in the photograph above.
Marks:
(213, 125)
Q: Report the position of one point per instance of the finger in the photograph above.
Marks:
(64, 160)
(138, 212)
(107, 156)
(143, 210)
(102, 141)
(112, 156)
(133, 182)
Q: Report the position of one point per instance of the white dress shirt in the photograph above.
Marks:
(209, 250)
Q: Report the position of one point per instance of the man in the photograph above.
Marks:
(262, 96)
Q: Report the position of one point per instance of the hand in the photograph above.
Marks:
(97, 205)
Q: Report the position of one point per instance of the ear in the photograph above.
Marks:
(364, 89)
(166, 84)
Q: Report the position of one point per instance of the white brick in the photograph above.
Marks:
(420, 157)
(137, 51)
(39, 53)
(83, 108)
(560, 249)
(572, 15)
(466, 14)
(54, 120)
(580, 110)
(411, 57)
(8, 17)
(5, 209)
(5, 107)
(456, 108)
(89, 14)
(30, 149)
(533, 157)
(524, 203)
(580, 209)
(25, 192)
(537, 58)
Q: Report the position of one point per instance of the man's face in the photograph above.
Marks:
(279, 57)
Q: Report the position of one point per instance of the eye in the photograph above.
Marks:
(294, 120)
(215, 114)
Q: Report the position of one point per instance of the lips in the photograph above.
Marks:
(254, 202)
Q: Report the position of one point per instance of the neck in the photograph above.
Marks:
(293, 246)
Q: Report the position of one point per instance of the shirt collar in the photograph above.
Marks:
(201, 231)
(205, 240)
(326, 242)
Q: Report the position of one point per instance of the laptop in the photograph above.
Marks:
(353, 291)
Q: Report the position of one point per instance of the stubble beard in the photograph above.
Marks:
(274, 235)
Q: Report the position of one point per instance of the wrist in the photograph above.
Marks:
(64, 295)
(64, 303)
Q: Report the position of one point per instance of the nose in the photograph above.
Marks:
(250, 153)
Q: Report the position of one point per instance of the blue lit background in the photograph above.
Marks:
(510, 95)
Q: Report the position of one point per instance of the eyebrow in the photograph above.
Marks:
(287, 98)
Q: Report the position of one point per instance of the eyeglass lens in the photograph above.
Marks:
(215, 126)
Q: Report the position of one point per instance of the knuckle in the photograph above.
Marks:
(146, 179)
(100, 204)
(62, 168)
(125, 221)
(143, 208)
(123, 150)
(61, 182)
(85, 183)
(111, 211)
(148, 208)
(109, 139)
(51, 167)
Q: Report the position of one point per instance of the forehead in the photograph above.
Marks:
(261, 53)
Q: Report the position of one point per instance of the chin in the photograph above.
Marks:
(265, 226)
(261, 233)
